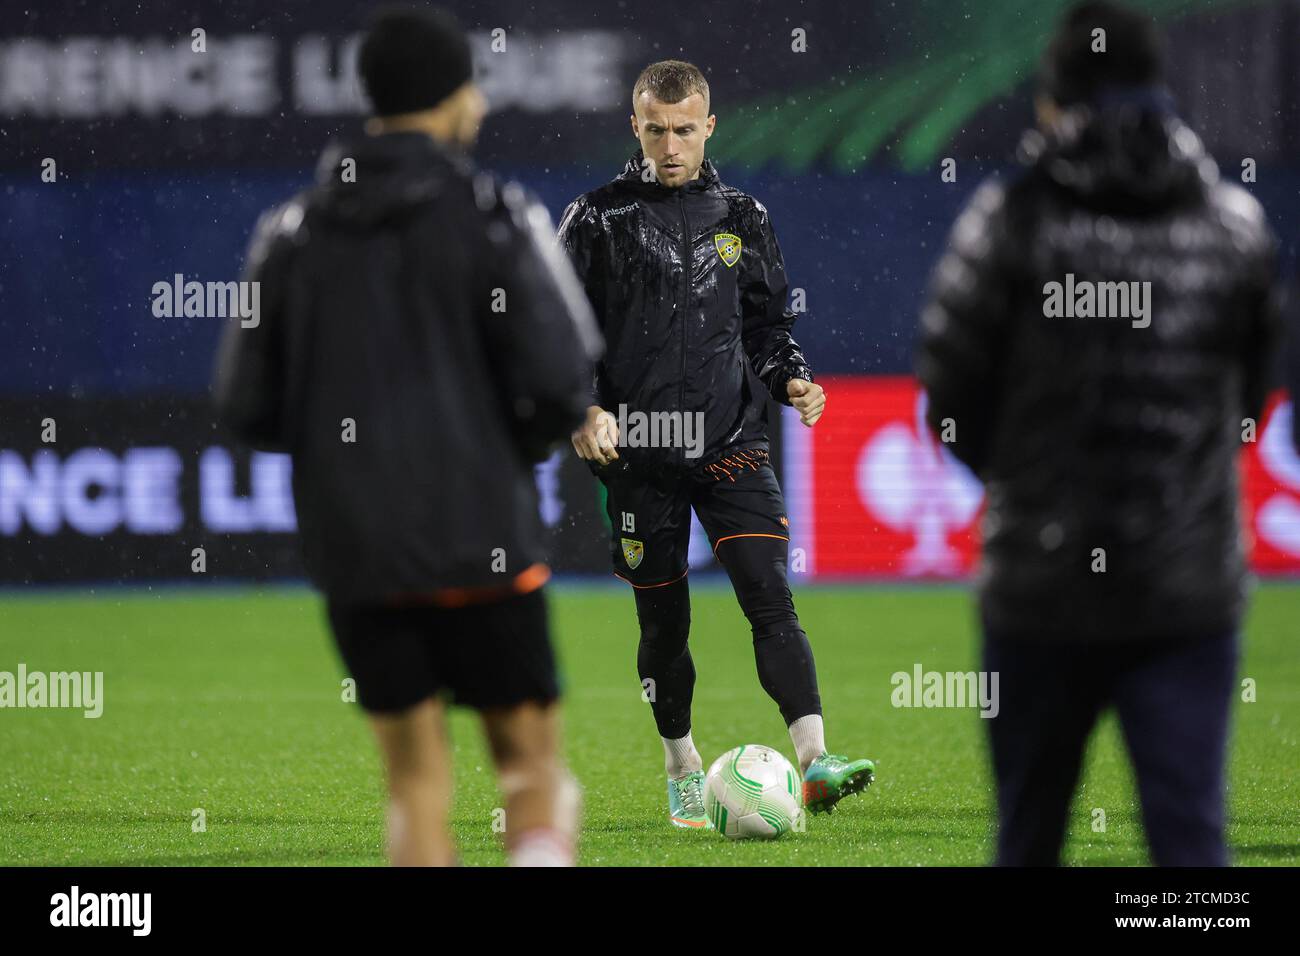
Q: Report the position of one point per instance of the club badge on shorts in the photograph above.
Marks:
(633, 551)
(728, 247)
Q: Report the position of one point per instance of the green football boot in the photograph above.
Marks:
(831, 778)
(686, 802)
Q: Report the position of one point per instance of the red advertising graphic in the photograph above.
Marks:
(1271, 484)
(871, 492)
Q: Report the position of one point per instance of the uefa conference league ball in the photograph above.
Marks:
(753, 791)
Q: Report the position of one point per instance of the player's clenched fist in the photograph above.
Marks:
(808, 398)
(597, 439)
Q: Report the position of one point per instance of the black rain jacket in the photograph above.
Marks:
(689, 289)
(425, 303)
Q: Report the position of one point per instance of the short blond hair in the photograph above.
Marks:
(671, 81)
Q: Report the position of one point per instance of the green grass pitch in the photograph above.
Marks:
(230, 702)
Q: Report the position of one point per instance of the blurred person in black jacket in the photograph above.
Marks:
(1098, 329)
(421, 344)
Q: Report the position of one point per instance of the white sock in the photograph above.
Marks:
(681, 757)
(809, 739)
(568, 807)
(542, 847)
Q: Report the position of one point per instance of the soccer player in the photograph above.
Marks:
(689, 287)
(421, 344)
(1107, 438)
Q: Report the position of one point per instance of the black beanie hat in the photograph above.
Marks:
(1073, 73)
(412, 59)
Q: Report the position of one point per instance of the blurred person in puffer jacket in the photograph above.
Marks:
(1096, 332)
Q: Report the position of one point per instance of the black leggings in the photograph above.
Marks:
(757, 568)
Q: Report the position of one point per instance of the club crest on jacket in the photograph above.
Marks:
(728, 247)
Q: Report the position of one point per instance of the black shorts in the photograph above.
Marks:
(485, 655)
(735, 496)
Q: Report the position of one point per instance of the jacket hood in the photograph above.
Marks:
(1127, 151)
(396, 173)
(633, 169)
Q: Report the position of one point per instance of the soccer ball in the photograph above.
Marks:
(753, 791)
